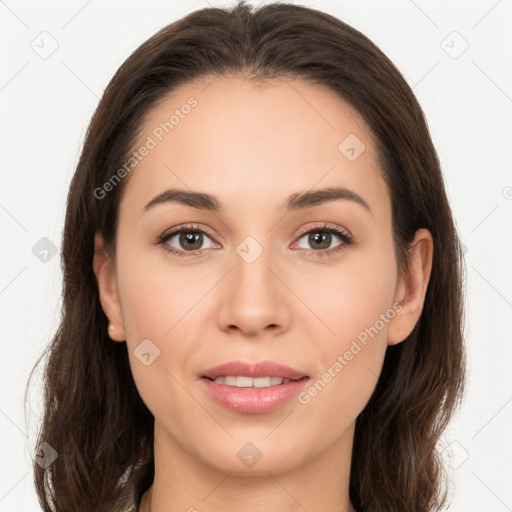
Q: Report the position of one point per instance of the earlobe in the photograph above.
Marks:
(107, 286)
(412, 289)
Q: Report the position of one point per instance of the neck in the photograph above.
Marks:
(182, 482)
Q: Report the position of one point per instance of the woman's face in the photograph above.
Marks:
(260, 277)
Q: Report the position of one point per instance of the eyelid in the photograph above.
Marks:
(324, 225)
(186, 227)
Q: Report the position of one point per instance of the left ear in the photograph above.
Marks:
(412, 288)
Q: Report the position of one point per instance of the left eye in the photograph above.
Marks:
(322, 238)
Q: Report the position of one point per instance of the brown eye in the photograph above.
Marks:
(321, 240)
(186, 241)
(192, 240)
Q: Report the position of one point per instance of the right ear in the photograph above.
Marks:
(107, 285)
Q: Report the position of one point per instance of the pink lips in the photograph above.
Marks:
(254, 400)
(261, 369)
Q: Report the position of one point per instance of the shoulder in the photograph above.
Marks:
(125, 502)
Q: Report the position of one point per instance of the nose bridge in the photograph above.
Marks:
(254, 298)
(252, 278)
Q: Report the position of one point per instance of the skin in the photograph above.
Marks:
(252, 146)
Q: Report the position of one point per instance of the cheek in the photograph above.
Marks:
(156, 297)
(354, 314)
(147, 310)
(345, 300)
(339, 394)
(350, 360)
(159, 305)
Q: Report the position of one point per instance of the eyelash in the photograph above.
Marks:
(346, 239)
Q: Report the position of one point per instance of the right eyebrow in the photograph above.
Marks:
(199, 200)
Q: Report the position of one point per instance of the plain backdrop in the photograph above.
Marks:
(56, 60)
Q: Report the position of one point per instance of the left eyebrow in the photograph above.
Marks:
(323, 195)
(296, 201)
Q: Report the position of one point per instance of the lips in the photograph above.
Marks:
(228, 385)
(254, 370)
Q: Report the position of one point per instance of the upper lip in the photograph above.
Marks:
(254, 369)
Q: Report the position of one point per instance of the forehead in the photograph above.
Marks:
(244, 141)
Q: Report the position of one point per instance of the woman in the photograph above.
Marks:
(262, 303)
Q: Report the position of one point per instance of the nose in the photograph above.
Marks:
(254, 297)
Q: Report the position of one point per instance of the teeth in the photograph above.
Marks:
(241, 381)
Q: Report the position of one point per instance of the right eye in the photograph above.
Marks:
(190, 238)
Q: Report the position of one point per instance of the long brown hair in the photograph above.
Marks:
(94, 417)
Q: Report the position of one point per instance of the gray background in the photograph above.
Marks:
(57, 58)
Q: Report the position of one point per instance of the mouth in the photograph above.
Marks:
(253, 374)
(252, 388)
(244, 381)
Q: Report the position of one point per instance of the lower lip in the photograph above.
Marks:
(254, 400)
